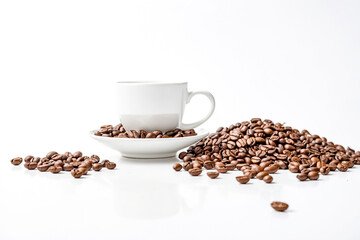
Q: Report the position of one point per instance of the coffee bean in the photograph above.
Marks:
(177, 167)
(261, 175)
(302, 176)
(230, 167)
(51, 154)
(97, 166)
(82, 170)
(272, 169)
(77, 154)
(268, 179)
(325, 170)
(55, 169)
(95, 158)
(67, 167)
(76, 173)
(243, 179)
(16, 161)
(212, 174)
(187, 166)
(209, 165)
(43, 167)
(313, 175)
(30, 165)
(104, 162)
(28, 158)
(110, 165)
(182, 155)
(222, 169)
(195, 171)
(279, 206)
(341, 167)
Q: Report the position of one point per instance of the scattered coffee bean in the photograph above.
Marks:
(110, 165)
(195, 171)
(75, 162)
(76, 173)
(313, 175)
(243, 179)
(97, 166)
(16, 161)
(177, 167)
(55, 169)
(324, 170)
(212, 174)
(302, 176)
(261, 175)
(268, 179)
(279, 206)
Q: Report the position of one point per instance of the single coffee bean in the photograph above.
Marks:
(51, 154)
(221, 169)
(268, 179)
(197, 164)
(243, 179)
(42, 167)
(261, 175)
(55, 169)
(95, 158)
(212, 174)
(76, 173)
(177, 167)
(195, 171)
(272, 169)
(250, 173)
(30, 165)
(16, 161)
(230, 167)
(209, 165)
(67, 167)
(341, 167)
(77, 154)
(302, 176)
(182, 155)
(110, 165)
(279, 206)
(324, 170)
(97, 166)
(59, 163)
(83, 170)
(313, 175)
(103, 162)
(187, 166)
(28, 158)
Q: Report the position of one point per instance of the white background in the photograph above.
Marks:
(296, 62)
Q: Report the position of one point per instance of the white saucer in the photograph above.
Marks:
(149, 147)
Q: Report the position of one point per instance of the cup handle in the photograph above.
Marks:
(212, 108)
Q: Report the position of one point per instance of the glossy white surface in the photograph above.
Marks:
(149, 147)
(143, 199)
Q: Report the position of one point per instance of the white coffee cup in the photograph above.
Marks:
(156, 105)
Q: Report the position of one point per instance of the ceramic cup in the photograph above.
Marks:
(156, 105)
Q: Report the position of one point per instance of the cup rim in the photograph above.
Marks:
(149, 83)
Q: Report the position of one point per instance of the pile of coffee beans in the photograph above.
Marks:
(119, 131)
(76, 163)
(260, 148)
